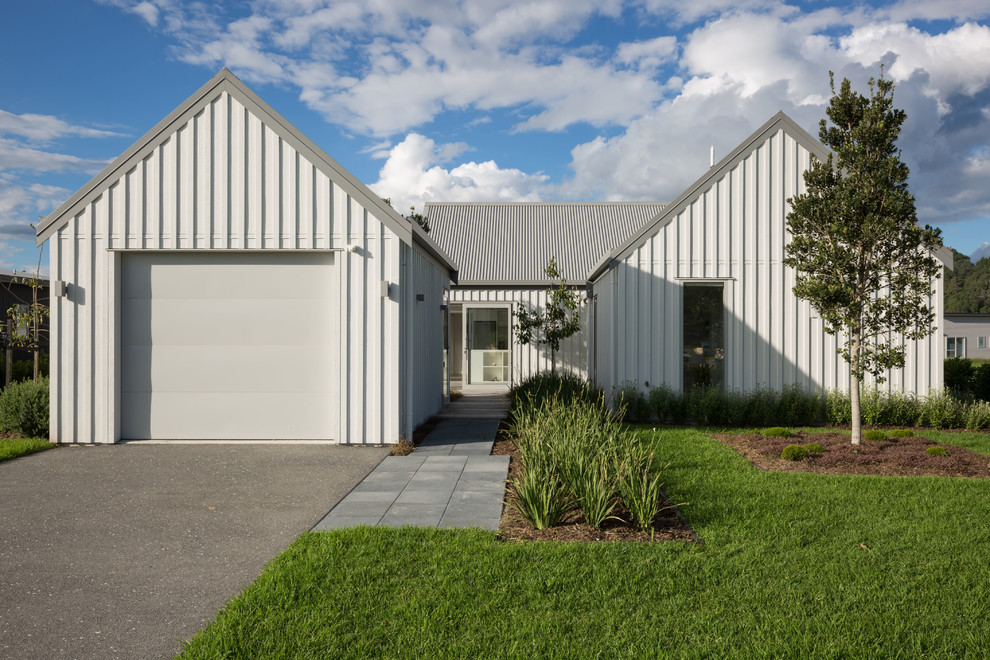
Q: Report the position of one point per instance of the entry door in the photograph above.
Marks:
(487, 354)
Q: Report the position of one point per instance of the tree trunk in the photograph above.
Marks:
(857, 425)
(553, 361)
(857, 430)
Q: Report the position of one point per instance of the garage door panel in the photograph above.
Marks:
(235, 275)
(213, 348)
(224, 416)
(225, 369)
(245, 321)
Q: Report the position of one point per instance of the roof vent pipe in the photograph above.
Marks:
(712, 157)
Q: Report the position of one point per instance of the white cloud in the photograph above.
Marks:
(647, 54)
(955, 62)
(45, 128)
(412, 175)
(17, 156)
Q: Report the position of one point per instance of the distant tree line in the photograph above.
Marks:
(967, 286)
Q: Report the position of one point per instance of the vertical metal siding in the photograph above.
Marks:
(224, 181)
(734, 230)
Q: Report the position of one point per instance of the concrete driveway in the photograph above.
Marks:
(125, 551)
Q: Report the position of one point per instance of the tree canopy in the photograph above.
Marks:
(967, 286)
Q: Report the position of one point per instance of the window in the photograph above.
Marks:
(955, 347)
(981, 342)
(703, 335)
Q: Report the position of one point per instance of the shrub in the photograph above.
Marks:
(902, 433)
(814, 448)
(777, 432)
(978, 416)
(838, 408)
(981, 381)
(629, 403)
(708, 406)
(937, 451)
(761, 406)
(798, 406)
(881, 408)
(941, 411)
(640, 485)
(793, 453)
(959, 375)
(24, 408)
(666, 403)
(874, 435)
(538, 388)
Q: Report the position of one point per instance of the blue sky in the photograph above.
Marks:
(494, 99)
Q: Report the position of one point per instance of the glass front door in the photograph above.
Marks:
(487, 346)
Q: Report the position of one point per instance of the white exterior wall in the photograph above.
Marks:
(423, 346)
(533, 358)
(732, 231)
(223, 181)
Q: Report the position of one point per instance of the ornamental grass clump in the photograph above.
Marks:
(902, 433)
(584, 438)
(874, 435)
(639, 484)
(777, 432)
(793, 453)
(814, 448)
(539, 493)
(937, 451)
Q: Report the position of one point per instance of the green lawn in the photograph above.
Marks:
(782, 571)
(15, 447)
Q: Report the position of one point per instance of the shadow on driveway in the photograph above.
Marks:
(127, 550)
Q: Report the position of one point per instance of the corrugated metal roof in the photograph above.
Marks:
(512, 242)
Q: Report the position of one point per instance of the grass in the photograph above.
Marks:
(790, 564)
(16, 447)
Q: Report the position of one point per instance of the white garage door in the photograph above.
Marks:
(228, 345)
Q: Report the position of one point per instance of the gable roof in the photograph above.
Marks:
(226, 81)
(511, 243)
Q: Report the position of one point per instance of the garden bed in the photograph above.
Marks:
(891, 457)
(668, 525)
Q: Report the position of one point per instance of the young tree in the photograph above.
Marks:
(27, 317)
(558, 320)
(862, 261)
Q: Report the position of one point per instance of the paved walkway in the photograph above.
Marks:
(451, 480)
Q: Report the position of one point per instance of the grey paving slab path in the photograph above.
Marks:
(451, 480)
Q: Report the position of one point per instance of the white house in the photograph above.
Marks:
(224, 278)
(502, 250)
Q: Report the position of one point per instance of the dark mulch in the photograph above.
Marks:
(899, 457)
(667, 526)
